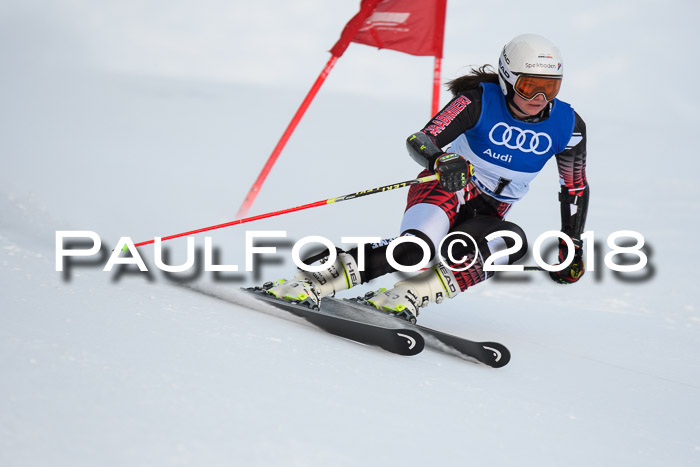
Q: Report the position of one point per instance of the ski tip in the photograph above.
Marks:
(501, 355)
(414, 340)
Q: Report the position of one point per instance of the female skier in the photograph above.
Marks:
(501, 128)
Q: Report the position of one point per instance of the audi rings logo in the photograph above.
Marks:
(513, 137)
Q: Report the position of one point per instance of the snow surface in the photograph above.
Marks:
(149, 118)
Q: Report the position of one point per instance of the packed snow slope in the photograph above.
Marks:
(148, 118)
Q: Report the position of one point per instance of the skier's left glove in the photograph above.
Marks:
(573, 271)
(454, 171)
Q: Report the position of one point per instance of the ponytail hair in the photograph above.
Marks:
(484, 74)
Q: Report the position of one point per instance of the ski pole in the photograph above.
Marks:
(337, 199)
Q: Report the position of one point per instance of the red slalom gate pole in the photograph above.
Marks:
(337, 199)
(366, 9)
(253, 192)
(437, 70)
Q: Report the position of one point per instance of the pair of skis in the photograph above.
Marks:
(362, 323)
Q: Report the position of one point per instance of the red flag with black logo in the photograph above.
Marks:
(414, 27)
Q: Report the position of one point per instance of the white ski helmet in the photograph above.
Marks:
(530, 65)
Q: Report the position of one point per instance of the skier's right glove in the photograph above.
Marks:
(575, 270)
(453, 171)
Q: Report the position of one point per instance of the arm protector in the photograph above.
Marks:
(574, 209)
(423, 150)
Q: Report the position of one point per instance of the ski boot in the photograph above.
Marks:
(308, 288)
(408, 296)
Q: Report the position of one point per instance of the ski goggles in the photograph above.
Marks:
(529, 86)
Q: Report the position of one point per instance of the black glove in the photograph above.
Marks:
(575, 270)
(453, 171)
